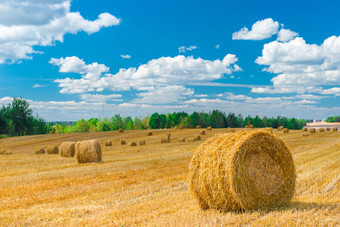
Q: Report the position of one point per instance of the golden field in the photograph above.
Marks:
(148, 185)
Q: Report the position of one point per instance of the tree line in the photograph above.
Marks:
(333, 119)
(16, 119)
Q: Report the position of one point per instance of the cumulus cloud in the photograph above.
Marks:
(285, 35)
(161, 72)
(25, 24)
(301, 67)
(125, 56)
(183, 49)
(218, 46)
(262, 29)
(332, 91)
(100, 97)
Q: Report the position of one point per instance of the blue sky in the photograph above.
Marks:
(76, 59)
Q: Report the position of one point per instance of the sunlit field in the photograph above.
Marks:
(148, 185)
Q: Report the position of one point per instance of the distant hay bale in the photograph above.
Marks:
(328, 129)
(280, 128)
(321, 130)
(142, 142)
(108, 143)
(67, 149)
(305, 134)
(133, 144)
(52, 132)
(198, 138)
(312, 130)
(121, 130)
(8, 153)
(335, 129)
(52, 150)
(251, 126)
(40, 151)
(181, 140)
(209, 128)
(192, 139)
(232, 130)
(88, 151)
(2, 152)
(285, 130)
(122, 142)
(149, 134)
(166, 138)
(246, 126)
(202, 132)
(245, 170)
(181, 127)
(198, 127)
(305, 130)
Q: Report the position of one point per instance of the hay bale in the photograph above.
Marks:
(246, 126)
(321, 130)
(133, 144)
(202, 132)
(312, 130)
(232, 130)
(122, 142)
(280, 128)
(198, 138)
(180, 127)
(305, 130)
(67, 149)
(52, 132)
(245, 170)
(193, 139)
(181, 140)
(88, 151)
(40, 151)
(8, 153)
(251, 126)
(149, 134)
(52, 150)
(328, 129)
(209, 128)
(285, 130)
(108, 143)
(141, 142)
(2, 152)
(335, 129)
(305, 134)
(198, 127)
(120, 130)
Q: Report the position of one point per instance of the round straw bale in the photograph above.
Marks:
(8, 153)
(52, 132)
(122, 142)
(181, 127)
(245, 170)
(133, 144)
(40, 151)
(321, 130)
(108, 143)
(198, 127)
(305, 134)
(149, 134)
(165, 139)
(246, 126)
(312, 130)
(232, 130)
(335, 129)
(285, 130)
(305, 130)
(52, 150)
(193, 139)
(88, 151)
(280, 128)
(328, 129)
(2, 152)
(181, 140)
(121, 130)
(251, 126)
(68, 149)
(142, 142)
(202, 132)
(209, 128)
(198, 138)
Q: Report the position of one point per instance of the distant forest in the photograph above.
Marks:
(16, 119)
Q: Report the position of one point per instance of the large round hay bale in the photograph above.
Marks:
(180, 127)
(245, 170)
(305, 134)
(52, 150)
(202, 132)
(40, 151)
(285, 130)
(209, 128)
(335, 129)
(321, 130)
(149, 134)
(88, 151)
(141, 142)
(121, 130)
(68, 149)
(305, 130)
(108, 143)
(122, 142)
(328, 129)
(312, 130)
(133, 144)
(198, 127)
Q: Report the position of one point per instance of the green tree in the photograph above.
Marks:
(83, 126)
(137, 123)
(154, 121)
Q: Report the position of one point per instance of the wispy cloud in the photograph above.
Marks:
(126, 56)
(39, 85)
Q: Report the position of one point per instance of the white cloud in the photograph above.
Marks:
(24, 24)
(285, 35)
(301, 67)
(201, 95)
(126, 56)
(262, 29)
(100, 97)
(183, 49)
(161, 72)
(39, 85)
(332, 91)
(218, 46)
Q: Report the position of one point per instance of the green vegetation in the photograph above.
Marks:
(333, 119)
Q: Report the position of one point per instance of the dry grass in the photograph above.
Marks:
(148, 185)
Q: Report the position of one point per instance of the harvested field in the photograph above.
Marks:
(149, 186)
